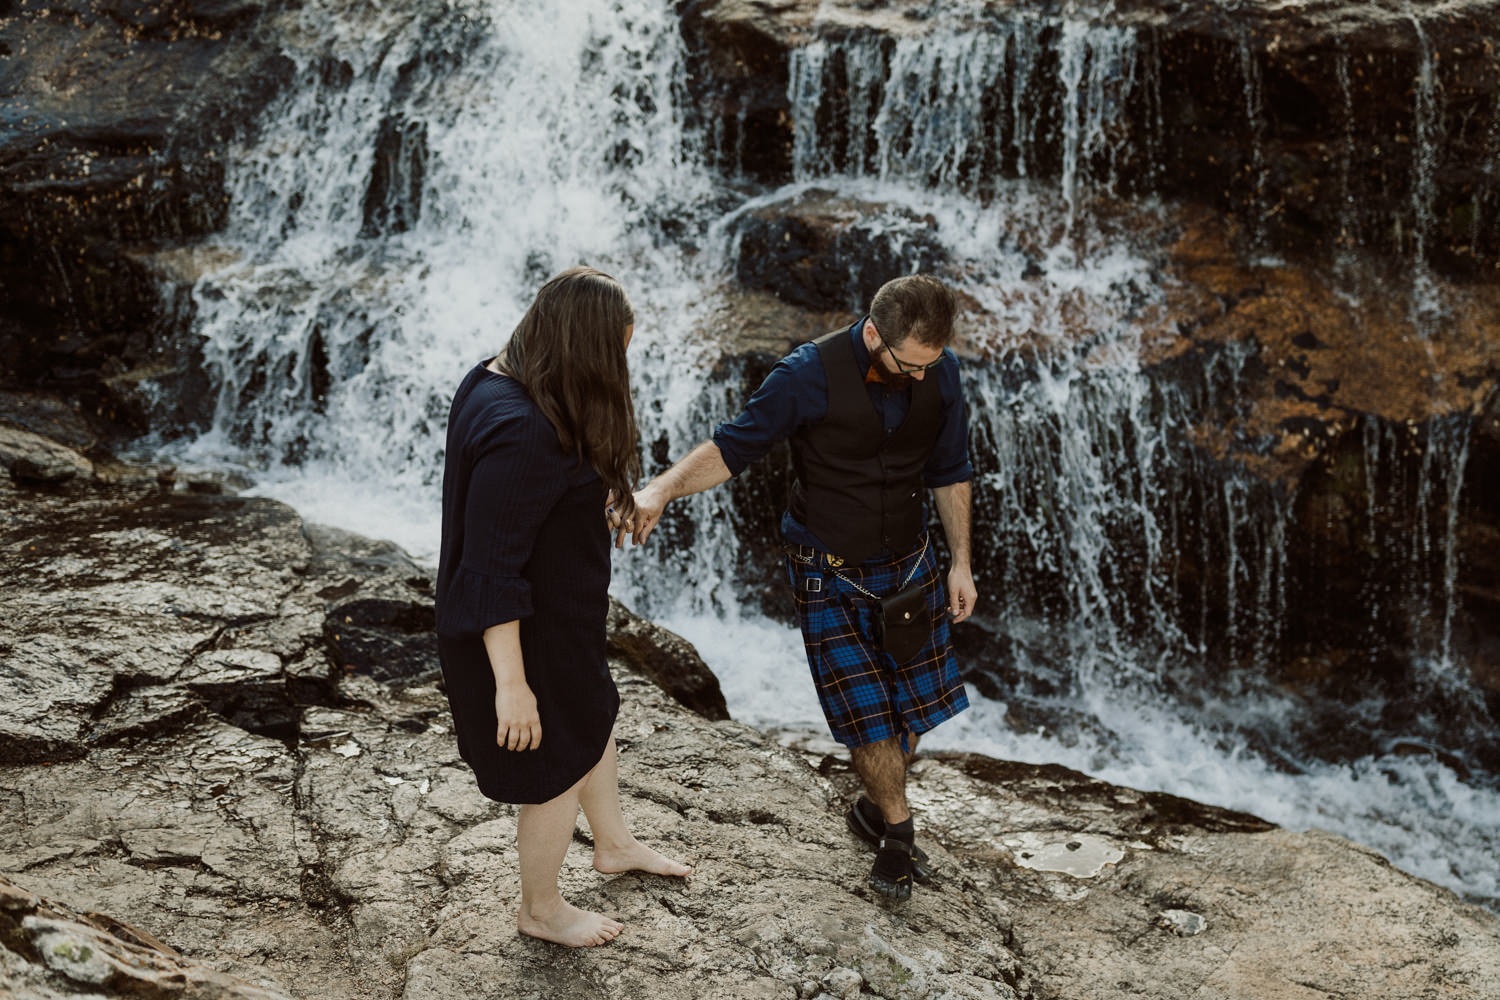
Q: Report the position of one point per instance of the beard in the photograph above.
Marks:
(886, 371)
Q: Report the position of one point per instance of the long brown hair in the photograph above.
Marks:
(569, 353)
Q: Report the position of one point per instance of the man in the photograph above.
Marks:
(874, 413)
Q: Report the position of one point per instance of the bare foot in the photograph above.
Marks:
(564, 923)
(637, 857)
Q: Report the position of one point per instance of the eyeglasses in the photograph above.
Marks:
(902, 366)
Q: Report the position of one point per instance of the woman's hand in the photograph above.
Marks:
(519, 727)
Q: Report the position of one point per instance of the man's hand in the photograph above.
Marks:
(961, 593)
(700, 469)
(649, 504)
(519, 726)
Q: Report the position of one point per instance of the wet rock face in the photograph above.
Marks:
(821, 251)
(393, 201)
(1318, 126)
(1358, 430)
(115, 112)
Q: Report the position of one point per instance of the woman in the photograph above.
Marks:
(537, 437)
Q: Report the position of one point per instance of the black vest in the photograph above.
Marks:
(858, 488)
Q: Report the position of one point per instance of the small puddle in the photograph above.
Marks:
(1080, 855)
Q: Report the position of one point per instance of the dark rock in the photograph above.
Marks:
(1310, 124)
(32, 458)
(335, 549)
(669, 660)
(389, 638)
(393, 201)
(1143, 815)
(48, 416)
(822, 251)
(378, 615)
(115, 113)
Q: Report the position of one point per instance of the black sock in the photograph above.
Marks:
(870, 811)
(904, 831)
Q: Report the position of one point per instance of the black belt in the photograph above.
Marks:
(809, 555)
(812, 556)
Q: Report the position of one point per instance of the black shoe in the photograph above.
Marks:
(891, 875)
(861, 827)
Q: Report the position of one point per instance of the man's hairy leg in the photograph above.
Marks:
(882, 767)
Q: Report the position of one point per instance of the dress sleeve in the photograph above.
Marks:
(514, 482)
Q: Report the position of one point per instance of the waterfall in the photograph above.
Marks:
(1255, 122)
(394, 212)
(359, 296)
(1348, 238)
(1428, 126)
(989, 110)
(1487, 203)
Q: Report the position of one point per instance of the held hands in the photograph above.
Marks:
(649, 504)
(961, 594)
(519, 727)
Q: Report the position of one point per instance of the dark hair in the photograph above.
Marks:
(569, 353)
(917, 305)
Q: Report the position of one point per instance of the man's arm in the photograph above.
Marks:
(698, 470)
(953, 510)
(793, 394)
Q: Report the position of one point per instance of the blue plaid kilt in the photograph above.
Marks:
(866, 696)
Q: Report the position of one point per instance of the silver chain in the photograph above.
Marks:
(877, 597)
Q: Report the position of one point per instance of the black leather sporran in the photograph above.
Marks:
(902, 624)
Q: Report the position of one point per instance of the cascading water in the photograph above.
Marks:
(395, 212)
(1255, 122)
(545, 137)
(984, 96)
(1428, 126)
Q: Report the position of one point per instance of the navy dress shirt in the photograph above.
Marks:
(795, 394)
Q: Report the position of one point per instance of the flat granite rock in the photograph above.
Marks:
(256, 822)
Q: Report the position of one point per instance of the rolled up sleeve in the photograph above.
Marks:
(513, 485)
(949, 462)
(795, 393)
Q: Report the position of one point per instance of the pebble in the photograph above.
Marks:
(1183, 923)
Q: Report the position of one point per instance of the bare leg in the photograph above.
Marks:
(542, 836)
(615, 847)
(882, 767)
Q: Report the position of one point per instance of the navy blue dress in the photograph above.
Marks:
(524, 537)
